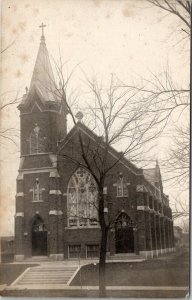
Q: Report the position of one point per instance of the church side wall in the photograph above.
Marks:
(149, 233)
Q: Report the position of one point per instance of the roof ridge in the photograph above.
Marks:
(80, 124)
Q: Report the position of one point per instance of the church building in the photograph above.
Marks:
(56, 214)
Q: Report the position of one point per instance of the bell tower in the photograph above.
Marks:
(43, 123)
(43, 109)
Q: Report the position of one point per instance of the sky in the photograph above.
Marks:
(127, 38)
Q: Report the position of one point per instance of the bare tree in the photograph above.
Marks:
(172, 103)
(9, 134)
(177, 163)
(171, 100)
(116, 117)
(161, 94)
(181, 210)
(7, 47)
(181, 9)
(117, 114)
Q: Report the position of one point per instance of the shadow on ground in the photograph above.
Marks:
(170, 270)
(9, 272)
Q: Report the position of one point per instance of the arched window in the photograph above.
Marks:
(38, 224)
(37, 141)
(122, 189)
(123, 221)
(82, 200)
(37, 191)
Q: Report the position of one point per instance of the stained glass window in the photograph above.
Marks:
(123, 220)
(82, 200)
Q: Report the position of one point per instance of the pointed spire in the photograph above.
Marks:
(157, 171)
(43, 79)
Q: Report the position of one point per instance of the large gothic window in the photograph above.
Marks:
(37, 141)
(82, 200)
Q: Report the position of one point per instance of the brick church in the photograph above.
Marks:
(56, 214)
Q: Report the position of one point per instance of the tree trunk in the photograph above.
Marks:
(102, 263)
(103, 243)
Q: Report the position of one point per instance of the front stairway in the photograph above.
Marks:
(44, 275)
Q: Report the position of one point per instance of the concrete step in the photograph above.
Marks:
(46, 278)
(38, 258)
(51, 271)
(50, 275)
(125, 256)
(46, 275)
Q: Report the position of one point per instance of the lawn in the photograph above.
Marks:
(9, 272)
(168, 271)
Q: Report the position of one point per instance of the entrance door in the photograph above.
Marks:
(39, 238)
(124, 235)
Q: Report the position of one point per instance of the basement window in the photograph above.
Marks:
(92, 251)
(74, 251)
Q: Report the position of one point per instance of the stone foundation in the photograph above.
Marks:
(19, 257)
(56, 256)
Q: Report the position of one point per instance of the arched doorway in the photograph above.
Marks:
(39, 237)
(124, 235)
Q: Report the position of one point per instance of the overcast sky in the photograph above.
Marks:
(123, 37)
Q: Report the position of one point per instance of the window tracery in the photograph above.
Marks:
(82, 200)
(123, 220)
(38, 224)
(122, 189)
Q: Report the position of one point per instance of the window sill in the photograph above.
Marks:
(38, 153)
(37, 201)
(83, 227)
(122, 196)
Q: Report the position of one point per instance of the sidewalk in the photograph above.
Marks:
(93, 291)
(164, 276)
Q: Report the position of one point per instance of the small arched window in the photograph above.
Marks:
(38, 224)
(82, 200)
(37, 141)
(37, 191)
(122, 187)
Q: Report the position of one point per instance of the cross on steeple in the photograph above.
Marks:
(42, 27)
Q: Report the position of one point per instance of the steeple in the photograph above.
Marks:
(43, 112)
(43, 79)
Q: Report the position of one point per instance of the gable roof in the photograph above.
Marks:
(118, 155)
(150, 175)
